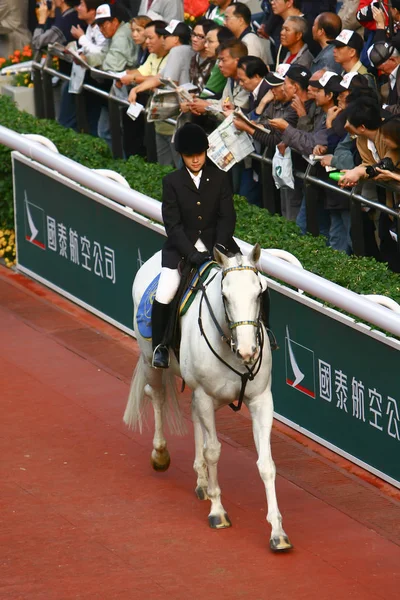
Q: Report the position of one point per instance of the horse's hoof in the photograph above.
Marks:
(219, 521)
(280, 544)
(160, 461)
(201, 493)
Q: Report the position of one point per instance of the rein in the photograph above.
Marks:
(251, 372)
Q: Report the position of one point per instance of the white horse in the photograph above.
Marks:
(212, 368)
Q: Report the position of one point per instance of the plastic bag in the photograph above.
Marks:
(282, 169)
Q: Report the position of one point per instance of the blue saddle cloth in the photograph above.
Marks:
(143, 316)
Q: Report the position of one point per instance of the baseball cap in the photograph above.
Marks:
(175, 27)
(349, 38)
(298, 73)
(349, 81)
(104, 12)
(380, 53)
(277, 77)
(328, 82)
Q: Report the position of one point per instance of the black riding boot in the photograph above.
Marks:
(265, 305)
(159, 320)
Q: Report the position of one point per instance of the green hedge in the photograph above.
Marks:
(362, 275)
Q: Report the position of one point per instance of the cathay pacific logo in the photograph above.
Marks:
(300, 372)
(35, 230)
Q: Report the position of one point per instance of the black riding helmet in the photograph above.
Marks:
(190, 139)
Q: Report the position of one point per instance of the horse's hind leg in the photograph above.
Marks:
(261, 409)
(160, 458)
(199, 465)
(203, 405)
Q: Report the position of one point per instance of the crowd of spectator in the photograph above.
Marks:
(319, 78)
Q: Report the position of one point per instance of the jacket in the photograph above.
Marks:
(304, 141)
(190, 214)
(274, 110)
(122, 53)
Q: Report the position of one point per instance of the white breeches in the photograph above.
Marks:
(167, 285)
(170, 278)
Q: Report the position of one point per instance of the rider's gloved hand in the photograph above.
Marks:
(197, 258)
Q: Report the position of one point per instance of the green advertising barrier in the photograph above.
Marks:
(333, 379)
(336, 381)
(79, 243)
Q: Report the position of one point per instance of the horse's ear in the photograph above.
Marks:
(255, 254)
(220, 258)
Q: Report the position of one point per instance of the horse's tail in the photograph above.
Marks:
(139, 400)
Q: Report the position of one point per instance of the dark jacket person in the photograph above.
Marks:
(198, 213)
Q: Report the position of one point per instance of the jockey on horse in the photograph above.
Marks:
(198, 213)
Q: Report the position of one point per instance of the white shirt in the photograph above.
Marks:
(373, 150)
(196, 178)
(392, 77)
(255, 92)
(93, 43)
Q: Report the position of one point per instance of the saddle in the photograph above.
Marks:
(188, 288)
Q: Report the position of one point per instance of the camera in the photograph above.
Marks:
(49, 4)
(386, 163)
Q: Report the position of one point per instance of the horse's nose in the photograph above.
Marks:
(248, 357)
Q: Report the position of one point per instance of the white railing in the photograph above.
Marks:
(271, 265)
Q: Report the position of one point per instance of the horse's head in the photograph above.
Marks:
(242, 287)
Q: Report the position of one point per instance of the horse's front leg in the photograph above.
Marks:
(160, 458)
(203, 405)
(199, 465)
(261, 409)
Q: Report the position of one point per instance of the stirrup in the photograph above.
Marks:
(160, 357)
(272, 339)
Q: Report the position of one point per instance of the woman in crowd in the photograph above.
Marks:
(138, 25)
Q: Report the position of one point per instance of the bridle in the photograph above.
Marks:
(252, 371)
(234, 324)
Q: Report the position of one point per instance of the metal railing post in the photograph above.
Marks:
(357, 226)
(312, 204)
(117, 147)
(48, 95)
(38, 92)
(270, 195)
(81, 113)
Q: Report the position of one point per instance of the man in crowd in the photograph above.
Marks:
(238, 20)
(92, 43)
(364, 120)
(274, 105)
(233, 94)
(293, 47)
(386, 58)
(304, 142)
(93, 46)
(122, 53)
(326, 27)
(348, 46)
(176, 44)
(281, 10)
(54, 25)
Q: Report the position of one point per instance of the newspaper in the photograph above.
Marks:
(164, 104)
(228, 145)
(183, 90)
(239, 114)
